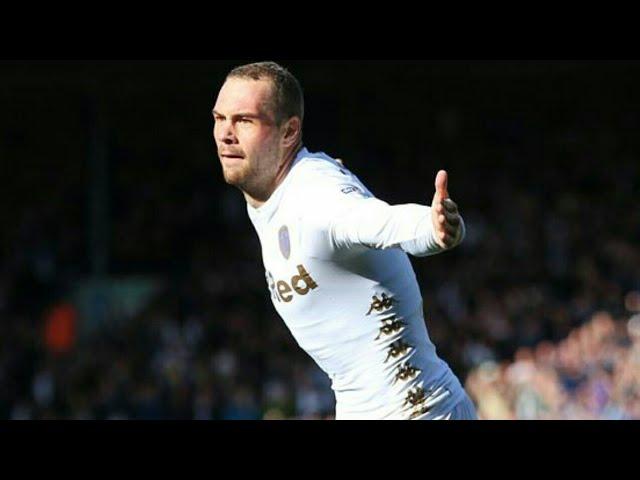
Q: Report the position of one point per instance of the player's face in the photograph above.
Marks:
(246, 134)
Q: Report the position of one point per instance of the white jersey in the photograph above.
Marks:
(339, 276)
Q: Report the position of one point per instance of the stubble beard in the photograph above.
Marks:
(249, 178)
(237, 177)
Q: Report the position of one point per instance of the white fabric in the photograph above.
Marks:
(347, 292)
(465, 410)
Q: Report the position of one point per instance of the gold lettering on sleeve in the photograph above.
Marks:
(390, 325)
(381, 304)
(415, 396)
(396, 349)
(406, 371)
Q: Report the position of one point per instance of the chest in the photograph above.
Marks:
(287, 271)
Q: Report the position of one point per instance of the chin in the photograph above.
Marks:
(233, 177)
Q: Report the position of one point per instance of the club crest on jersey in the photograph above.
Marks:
(284, 241)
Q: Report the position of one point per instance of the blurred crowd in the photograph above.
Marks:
(594, 374)
(535, 311)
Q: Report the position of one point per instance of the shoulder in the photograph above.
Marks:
(320, 190)
(322, 181)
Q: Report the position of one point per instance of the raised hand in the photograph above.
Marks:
(444, 214)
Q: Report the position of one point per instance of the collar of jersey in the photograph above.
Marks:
(269, 207)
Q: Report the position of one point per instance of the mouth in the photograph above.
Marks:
(232, 156)
(231, 161)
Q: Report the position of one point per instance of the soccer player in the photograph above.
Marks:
(335, 256)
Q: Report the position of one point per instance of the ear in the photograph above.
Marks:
(291, 132)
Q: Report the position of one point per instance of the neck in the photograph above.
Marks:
(283, 170)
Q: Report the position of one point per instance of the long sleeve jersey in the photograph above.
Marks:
(336, 265)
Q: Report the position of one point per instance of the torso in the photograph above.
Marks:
(357, 313)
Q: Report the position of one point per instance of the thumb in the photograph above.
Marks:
(441, 185)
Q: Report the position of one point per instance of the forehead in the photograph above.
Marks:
(244, 95)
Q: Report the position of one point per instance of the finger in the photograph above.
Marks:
(445, 226)
(443, 216)
(452, 218)
(448, 219)
(450, 205)
(451, 230)
(442, 180)
(445, 239)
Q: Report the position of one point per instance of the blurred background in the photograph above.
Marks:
(131, 283)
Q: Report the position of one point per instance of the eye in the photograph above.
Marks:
(244, 120)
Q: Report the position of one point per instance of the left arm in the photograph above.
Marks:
(418, 230)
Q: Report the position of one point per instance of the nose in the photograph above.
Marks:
(223, 132)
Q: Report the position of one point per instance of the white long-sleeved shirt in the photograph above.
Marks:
(337, 268)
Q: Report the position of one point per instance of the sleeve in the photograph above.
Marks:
(373, 223)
